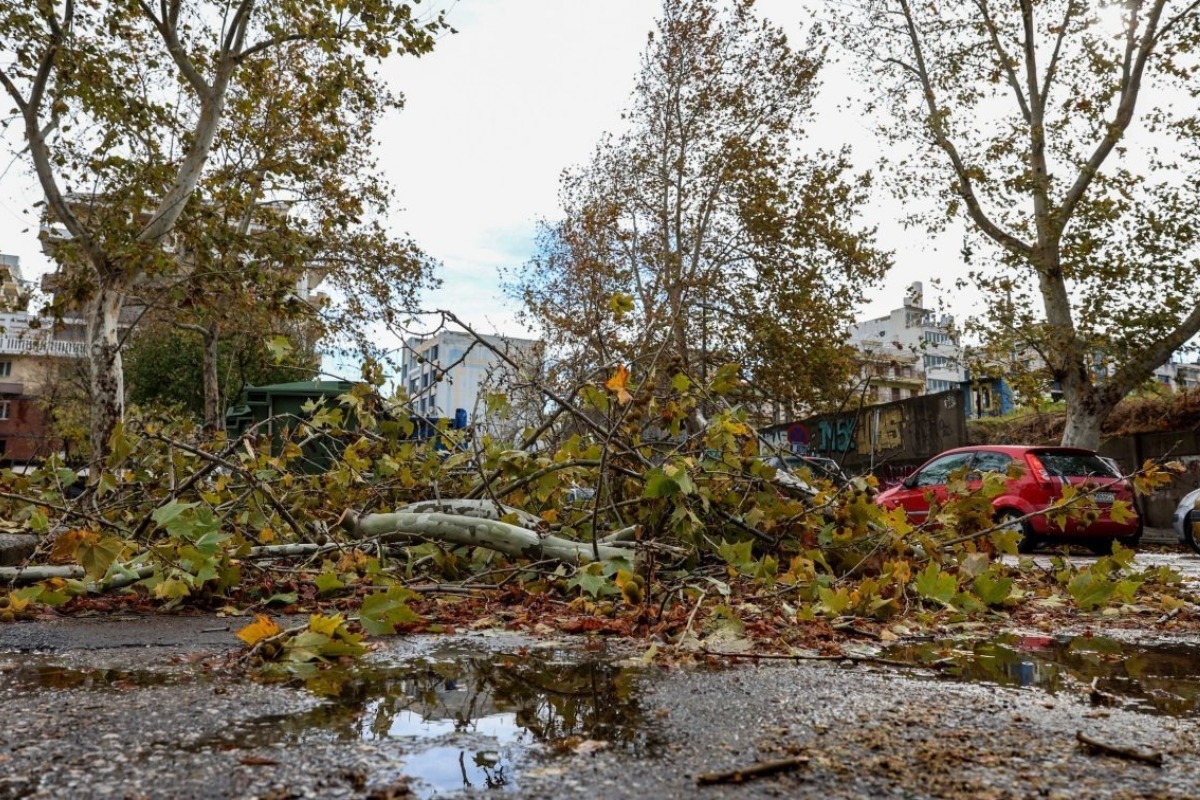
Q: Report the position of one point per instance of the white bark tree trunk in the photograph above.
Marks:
(511, 540)
(105, 369)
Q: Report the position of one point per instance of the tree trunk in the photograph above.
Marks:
(1085, 414)
(105, 371)
(212, 389)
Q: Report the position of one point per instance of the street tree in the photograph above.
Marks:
(166, 365)
(707, 231)
(294, 201)
(1065, 134)
(120, 105)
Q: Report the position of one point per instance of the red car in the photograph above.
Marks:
(1042, 473)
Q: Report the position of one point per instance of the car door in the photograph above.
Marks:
(929, 484)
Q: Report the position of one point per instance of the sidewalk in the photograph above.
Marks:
(1160, 536)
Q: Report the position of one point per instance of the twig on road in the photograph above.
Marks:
(1128, 753)
(758, 770)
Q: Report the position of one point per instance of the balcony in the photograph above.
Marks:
(41, 346)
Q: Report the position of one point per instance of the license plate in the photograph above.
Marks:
(1105, 497)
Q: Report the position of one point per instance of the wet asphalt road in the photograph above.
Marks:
(135, 708)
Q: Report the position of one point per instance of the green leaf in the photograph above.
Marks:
(280, 347)
(658, 484)
(328, 582)
(171, 588)
(97, 555)
(166, 515)
(1121, 512)
(383, 611)
(934, 584)
(833, 602)
(992, 590)
(738, 555)
(1090, 591)
(591, 579)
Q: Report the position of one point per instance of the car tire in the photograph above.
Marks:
(1029, 541)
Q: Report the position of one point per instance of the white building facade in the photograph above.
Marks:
(913, 330)
(451, 370)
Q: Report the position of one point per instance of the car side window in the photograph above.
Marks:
(991, 462)
(938, 471)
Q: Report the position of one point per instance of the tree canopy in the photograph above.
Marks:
(123, 105)
(706, 231)
(1065, 134)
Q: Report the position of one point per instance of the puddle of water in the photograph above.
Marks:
(1156, 679)
(469, 721)
(34, 673)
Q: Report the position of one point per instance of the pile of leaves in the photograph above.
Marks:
(716, 551)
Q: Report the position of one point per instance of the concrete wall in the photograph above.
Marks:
(1183, 446)
(893, 439)
(889, 440)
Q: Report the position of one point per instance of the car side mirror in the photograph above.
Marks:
(910, 481)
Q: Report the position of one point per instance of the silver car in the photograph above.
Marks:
(1186, 517)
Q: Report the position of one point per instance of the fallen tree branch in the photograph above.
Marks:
(511, 540)
(472, 507)
(759, 770)
(1127, 753)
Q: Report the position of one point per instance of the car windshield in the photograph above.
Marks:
(1075, 465)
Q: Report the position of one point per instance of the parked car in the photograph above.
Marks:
(1041, 473)
(1187, 516)
(821, 468)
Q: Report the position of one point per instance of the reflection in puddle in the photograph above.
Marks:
(1157, 679)
(35, 672)
(468, 720)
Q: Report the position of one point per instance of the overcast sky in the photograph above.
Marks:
(524, 90)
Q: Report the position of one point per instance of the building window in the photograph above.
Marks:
(4, 405)
(5, 369)
(895, 393)
(433, 353)
(412, 387)
(425, 381)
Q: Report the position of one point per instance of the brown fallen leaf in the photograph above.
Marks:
(257, 761)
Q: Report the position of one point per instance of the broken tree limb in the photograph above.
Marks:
(624, 535)
(36, 573)
(1127, 753)
(511, 540)
(122, 577)
(759, 770)
(471, 507)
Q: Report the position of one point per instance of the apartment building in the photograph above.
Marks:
(452, 370)
(33, 354)
(917, 348)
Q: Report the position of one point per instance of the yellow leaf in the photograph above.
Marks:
(266, 535)
(325, 625)
(617, 384)
(263, 627)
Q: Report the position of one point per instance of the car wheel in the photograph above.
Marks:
(1103, 547)
(1008, 520)
(1189, 530)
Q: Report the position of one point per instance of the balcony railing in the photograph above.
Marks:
(41, 346)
